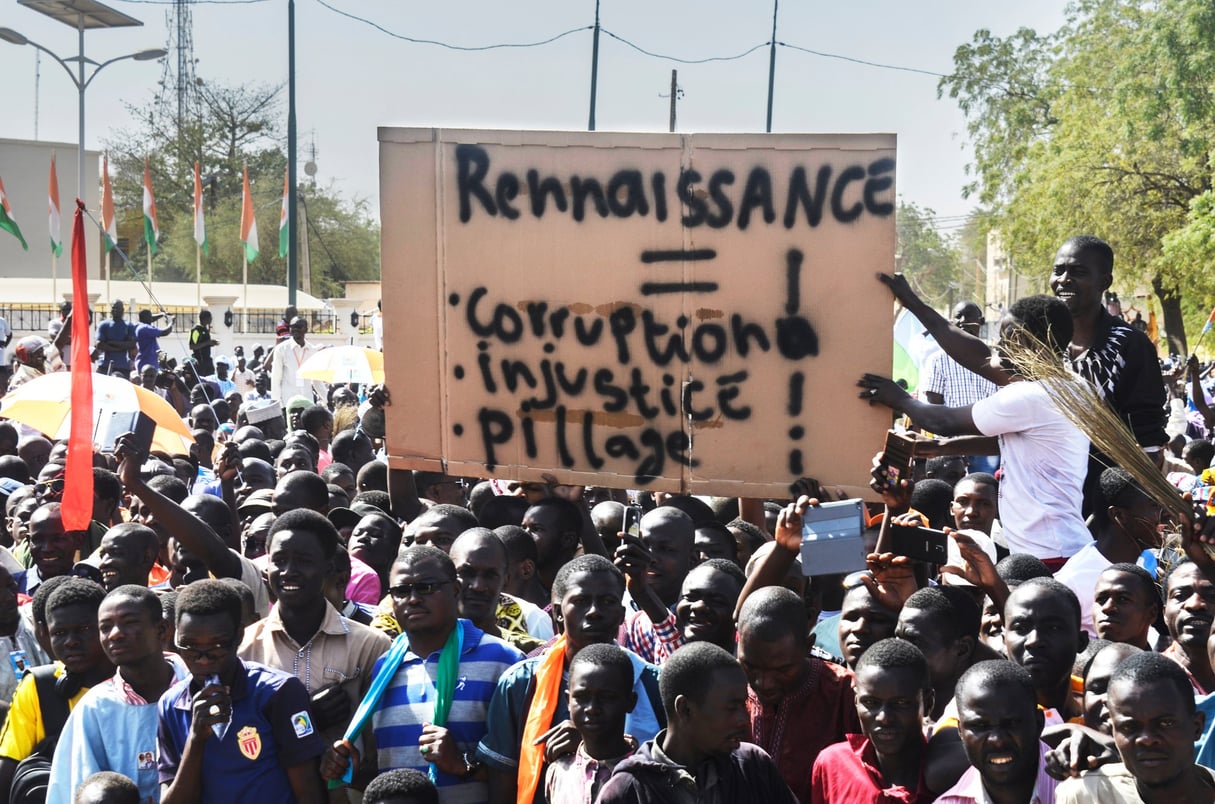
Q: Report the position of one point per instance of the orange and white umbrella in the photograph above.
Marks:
(44, 404)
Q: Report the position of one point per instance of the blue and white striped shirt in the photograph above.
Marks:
(409, 701)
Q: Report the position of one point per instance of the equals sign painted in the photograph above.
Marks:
(649, 257)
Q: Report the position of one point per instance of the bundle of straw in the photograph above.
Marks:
(1078, 401)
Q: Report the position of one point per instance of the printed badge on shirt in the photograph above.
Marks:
(250, 742)
(302, 724)
(145, 760)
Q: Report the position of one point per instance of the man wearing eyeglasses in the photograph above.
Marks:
(233, 731)
(440, 488)
(425, 600)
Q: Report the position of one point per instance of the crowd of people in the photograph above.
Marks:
(280, 616)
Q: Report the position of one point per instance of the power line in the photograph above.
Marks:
(437, 43)
(617, 37)
(862, 61)
(665, 57)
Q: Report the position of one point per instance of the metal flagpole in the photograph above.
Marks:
(244, 299)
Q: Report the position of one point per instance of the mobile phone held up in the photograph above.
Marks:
(632, 521)
(833, 540)
(920, 544)
(895, 466)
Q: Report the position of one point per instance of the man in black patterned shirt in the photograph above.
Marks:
(1116, 358)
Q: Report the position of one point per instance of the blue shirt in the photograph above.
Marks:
(1204, 746)
(271, 730)
(147, 340)
(112, 330)
(409, 701)
(110, 729)
(513, 697)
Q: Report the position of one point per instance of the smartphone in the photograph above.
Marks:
(896, 459)
(833, 538)
(920, 544)
(632, 521)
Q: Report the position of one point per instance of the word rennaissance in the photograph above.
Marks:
(664, 378)
(628, 192)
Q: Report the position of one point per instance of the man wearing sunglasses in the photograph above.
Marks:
(425, 600)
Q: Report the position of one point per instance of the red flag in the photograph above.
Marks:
(77, 508)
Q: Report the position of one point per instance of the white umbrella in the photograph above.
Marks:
(344, 364)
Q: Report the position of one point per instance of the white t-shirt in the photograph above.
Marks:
(1080, 574)
(1043, 458)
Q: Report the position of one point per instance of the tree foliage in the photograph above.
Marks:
(930, 260)
(226, 129)
(1102, 127)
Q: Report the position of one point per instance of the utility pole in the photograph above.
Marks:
(590, 125)
(292, 215)
(674, 91)
(772, 65)
(676, 94)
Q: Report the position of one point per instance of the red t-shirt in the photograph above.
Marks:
(848, 771)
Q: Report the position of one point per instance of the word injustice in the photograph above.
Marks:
(616, 406)
(718, 200)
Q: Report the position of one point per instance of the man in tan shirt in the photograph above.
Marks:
(304, 635)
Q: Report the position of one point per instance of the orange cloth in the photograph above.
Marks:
(158, 576)
(539, 720)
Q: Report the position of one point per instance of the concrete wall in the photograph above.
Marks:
(25, 169)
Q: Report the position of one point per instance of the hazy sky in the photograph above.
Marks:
(353, 78)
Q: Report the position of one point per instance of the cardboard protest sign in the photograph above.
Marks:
(672, 312)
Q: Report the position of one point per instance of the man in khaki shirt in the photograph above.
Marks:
(1155, 723)
(304, 635)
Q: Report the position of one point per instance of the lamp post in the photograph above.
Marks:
(81, 15)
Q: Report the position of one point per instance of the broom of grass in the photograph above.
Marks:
(1078, 401)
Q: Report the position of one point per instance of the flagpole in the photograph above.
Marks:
(55, 278)
(244, 299)
(149, 276)
(198, 273)
(1205, 329)
(109, 259)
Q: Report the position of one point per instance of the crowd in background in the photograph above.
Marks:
(278, 615)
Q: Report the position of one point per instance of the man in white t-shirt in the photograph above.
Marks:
(1043, 455)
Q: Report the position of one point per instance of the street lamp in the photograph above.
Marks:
(81, 15)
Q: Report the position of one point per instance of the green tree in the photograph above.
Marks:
(225, 130)
(929, 259)
(1102, 127)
